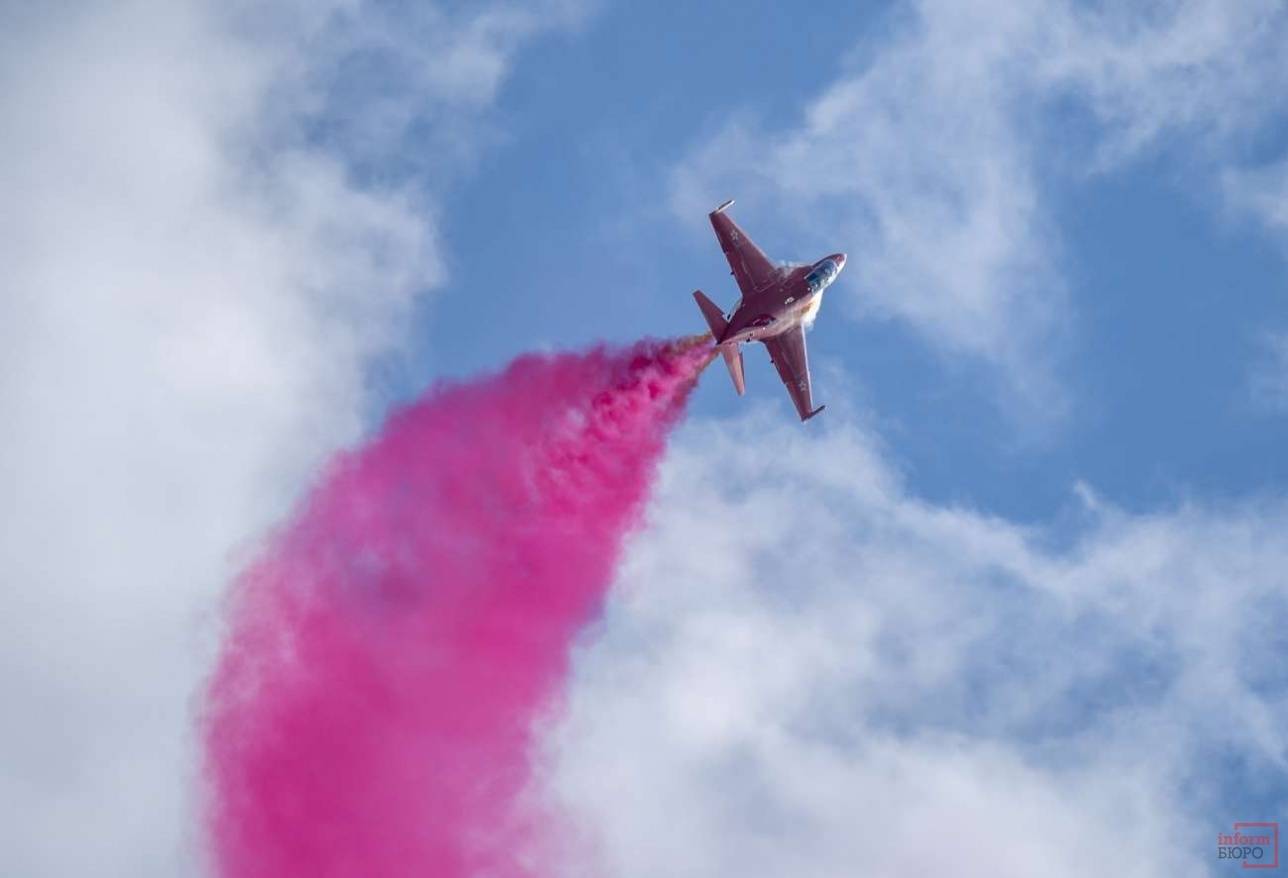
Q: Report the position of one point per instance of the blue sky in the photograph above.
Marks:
(563, 234)
(1025, 578)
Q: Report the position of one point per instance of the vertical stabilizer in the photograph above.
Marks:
(719, 326)
(714, 317)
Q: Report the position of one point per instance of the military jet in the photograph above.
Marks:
(778, 303)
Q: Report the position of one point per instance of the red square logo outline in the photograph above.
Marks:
(1274, 827)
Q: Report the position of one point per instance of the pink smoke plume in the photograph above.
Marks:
(387, 655)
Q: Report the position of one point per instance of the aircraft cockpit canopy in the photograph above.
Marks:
(823, 274)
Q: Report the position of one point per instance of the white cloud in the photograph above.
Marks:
(805, 670)
(1261, 193)
(1268, 379)
(197, 270)
(931, 161)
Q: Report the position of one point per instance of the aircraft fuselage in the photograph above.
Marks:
(778, 304)
(791, 300)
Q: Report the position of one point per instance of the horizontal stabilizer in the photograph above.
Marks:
(733, 359)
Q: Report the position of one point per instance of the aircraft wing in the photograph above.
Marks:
(751, 268)
(788, 353)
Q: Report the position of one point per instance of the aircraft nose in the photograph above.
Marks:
(840, 261)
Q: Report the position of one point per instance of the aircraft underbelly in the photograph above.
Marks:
(786, 324)
(811, 310)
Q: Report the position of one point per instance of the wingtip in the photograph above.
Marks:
(813, 413)
(721, 208)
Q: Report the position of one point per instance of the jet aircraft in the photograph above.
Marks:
(778, 303)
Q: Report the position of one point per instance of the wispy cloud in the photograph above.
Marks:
(814, 672)
(836, 676)
(199, 263)
(1268, 377)
(934, 158)
(1261, 193)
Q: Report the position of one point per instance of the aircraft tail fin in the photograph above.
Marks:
(732, 353)
(714, 317)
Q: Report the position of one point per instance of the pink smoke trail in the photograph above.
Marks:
(371, 710)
